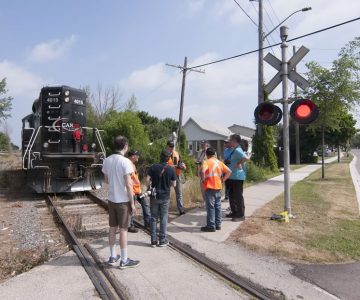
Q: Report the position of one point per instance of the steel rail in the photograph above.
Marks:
(90, 267)
(240, 281)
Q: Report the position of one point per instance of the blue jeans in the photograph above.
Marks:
(145, 211)
(213, 208)
(179, 200)
(159, 209)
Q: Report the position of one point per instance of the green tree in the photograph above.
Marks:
(5, 101)
(334, 90)
(4, 142)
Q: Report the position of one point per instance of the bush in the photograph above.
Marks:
(255, 173)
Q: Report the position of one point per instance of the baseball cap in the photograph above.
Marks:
(210, 151)
(165, 153)
(133, 152)
(204, 142)
(171, 143)
(227, 140)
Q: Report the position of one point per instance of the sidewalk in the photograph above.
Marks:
(266, 271)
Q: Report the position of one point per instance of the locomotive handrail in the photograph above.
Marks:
(54, 107)
(52, 95)
(27, 148)
(98, 136)
(53, 119)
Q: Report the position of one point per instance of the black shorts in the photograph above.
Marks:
(119, 214)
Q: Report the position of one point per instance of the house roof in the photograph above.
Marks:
(212, 127)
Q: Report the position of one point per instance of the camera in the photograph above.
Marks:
(180, 164)
(227, 162)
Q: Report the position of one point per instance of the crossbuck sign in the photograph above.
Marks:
(293, 76)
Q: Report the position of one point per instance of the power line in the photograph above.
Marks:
(245, 13)
(277, 44)
(274, 11)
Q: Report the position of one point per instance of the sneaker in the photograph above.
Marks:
(113, 260)
(182, 212)
(230, 215)
(132, 229)
(238, 219)
(208, 229)
(218, 227)
(153, 244)
(164, 244)
(129, 264)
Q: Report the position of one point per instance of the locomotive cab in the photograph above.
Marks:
(60, 153)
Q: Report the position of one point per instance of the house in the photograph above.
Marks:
(198, 130)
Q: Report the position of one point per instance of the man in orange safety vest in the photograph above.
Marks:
(213, 173)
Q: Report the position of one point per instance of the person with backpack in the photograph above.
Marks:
(161, 178)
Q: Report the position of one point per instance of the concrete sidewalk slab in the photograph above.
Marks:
(165, 274)
(58, 279)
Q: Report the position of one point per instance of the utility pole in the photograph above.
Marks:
(261, 55)
(184, 69)
(284, 75)
(297, 125)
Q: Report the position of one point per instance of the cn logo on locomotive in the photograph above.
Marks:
(66, 126)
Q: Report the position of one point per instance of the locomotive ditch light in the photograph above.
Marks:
(46, 145)
(67, 99)
(304, 111)
(267, 114)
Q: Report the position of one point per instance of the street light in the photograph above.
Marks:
(261, 39)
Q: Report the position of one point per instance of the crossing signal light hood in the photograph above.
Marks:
(304, 111)
(267, 114)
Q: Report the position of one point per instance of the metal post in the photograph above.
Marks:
(261, 55)
(284, 75)
(184, 70)
(297, 126)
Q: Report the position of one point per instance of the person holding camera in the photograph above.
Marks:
(237, 166)
(134, 155)
(213, 173)
(178, 165)
(161, 177)
(117, 170)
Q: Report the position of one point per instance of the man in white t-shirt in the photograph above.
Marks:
(117, 170)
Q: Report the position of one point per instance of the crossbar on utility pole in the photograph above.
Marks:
(184, 69)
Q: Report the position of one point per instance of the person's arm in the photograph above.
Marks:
(227, 172)
(172, 177)
(106, 179)
(130, 192)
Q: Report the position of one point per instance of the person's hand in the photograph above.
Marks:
(133, 210)
(239, 166)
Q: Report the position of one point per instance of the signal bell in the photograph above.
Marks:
(267, 113)
(304, 111)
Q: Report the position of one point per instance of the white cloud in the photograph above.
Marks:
(226, 92)
(20, 82)
(51, 50)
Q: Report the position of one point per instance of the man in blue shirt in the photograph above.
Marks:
(238, 160)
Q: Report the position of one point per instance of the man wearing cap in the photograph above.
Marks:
(213, 173)
(134, 155)
(160, 177)
(176, 162)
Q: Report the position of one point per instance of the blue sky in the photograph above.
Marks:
(127, 43)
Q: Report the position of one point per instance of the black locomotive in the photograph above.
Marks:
(59, 153)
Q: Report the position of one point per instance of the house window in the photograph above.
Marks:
(197, 146)
(190, 147)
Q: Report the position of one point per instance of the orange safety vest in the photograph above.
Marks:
(135, 181)
(173, 161)
(213, 170)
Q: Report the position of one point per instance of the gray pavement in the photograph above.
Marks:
(58, 279)
(165, 274)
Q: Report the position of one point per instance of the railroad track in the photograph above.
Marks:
(239, 281)
(74, 216)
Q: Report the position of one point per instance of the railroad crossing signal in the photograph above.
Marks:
(304, 111)
(293, 76)
(267, 113)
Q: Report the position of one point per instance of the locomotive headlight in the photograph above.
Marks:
(67, 93)
(67, 99)
(46, 145)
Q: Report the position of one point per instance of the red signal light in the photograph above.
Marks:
(304, 111)
(267, 114)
